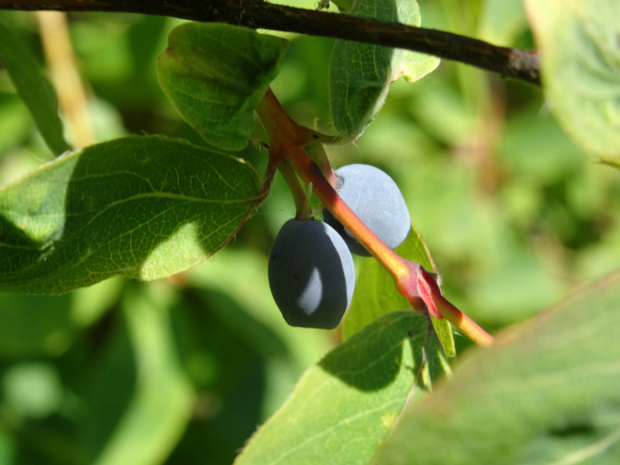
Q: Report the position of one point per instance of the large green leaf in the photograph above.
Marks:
(343, 408)
(215, 75)
(578, 41)
(144, 207)
(33, 88)
(376, 294)
(360, 74)
(545, 393)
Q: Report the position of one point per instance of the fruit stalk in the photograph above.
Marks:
(302, 206)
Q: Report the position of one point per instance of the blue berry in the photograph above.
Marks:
(376, 199)
(311, 274)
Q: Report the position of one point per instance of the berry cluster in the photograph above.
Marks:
(311, 271)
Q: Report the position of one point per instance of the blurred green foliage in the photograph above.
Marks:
(514, 214)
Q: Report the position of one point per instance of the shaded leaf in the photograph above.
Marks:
(360, 74)
(161, 400)
(215, 75)
(580, 54)
(343, 408)
(32, 326)
(375, 292)
(545, 392)
(144, 207)
(34, 89)
(39, 326)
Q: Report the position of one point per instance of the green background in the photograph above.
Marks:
(183, 370)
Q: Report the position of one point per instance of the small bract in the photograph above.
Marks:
(311, 274)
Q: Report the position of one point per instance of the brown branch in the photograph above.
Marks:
(508, 62)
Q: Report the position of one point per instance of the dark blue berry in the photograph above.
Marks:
(311, 274)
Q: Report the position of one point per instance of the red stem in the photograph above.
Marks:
(466, 325)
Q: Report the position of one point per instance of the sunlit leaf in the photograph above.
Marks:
(343, 408)
(578, 42)
(144, 207)
(216, 74)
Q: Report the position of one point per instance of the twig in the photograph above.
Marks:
(67, 82)
(509, 62)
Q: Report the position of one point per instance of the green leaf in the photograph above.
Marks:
(215, 75)
(44, 326)
(343, 408)
(160, 403)
(26, 331)
(34, 89)
(360, 75)
(343, 5)
(578, 42)
(545, 393)
(375, 292)
(143, 207)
